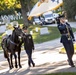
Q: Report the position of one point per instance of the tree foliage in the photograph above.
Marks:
(70, 8)
(7, 6)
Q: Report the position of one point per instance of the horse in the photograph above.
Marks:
(11, 45)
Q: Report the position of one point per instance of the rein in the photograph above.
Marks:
(13, 42)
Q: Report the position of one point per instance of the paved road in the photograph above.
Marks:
(47, 59)
(73, 24)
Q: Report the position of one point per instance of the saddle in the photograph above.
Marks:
(6, 40)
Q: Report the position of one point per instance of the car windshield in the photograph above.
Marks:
(36, 19)
(48, 15)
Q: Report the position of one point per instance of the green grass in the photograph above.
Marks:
(54, 33)
(20, 21)
(68, 73)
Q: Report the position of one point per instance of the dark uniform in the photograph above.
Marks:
(67, 39)
(29, 46)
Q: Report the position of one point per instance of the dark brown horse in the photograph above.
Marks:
(11, 45)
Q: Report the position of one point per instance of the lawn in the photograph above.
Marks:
(54, 33)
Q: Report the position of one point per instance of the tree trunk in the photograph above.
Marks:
(28, 5)
(24, 13)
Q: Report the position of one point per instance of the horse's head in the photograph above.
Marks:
(17, 35)
(18, 31)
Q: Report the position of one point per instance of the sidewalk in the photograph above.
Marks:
(47, 59)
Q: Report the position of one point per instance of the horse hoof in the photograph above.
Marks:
(16, 66)
(10, 68)
(20, 66)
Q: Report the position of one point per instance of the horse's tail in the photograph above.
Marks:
(4, 49)
(5, 54)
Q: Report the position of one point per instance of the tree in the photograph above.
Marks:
(7, 7)
(26, 6)
(70, 6)
(24, 13)
(12, 5)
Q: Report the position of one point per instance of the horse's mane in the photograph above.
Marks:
(14, 37)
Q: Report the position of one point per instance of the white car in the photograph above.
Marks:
(37, 21)
(55, 15)
(50, 17)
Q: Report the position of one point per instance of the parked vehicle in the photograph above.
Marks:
(50, 17)
(46, 18)
(37, 21)
(55, 15)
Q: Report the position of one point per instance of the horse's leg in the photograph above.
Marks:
(15, 56)
(19, 59)
(8, 59)
(6, 54)
(11, 60)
